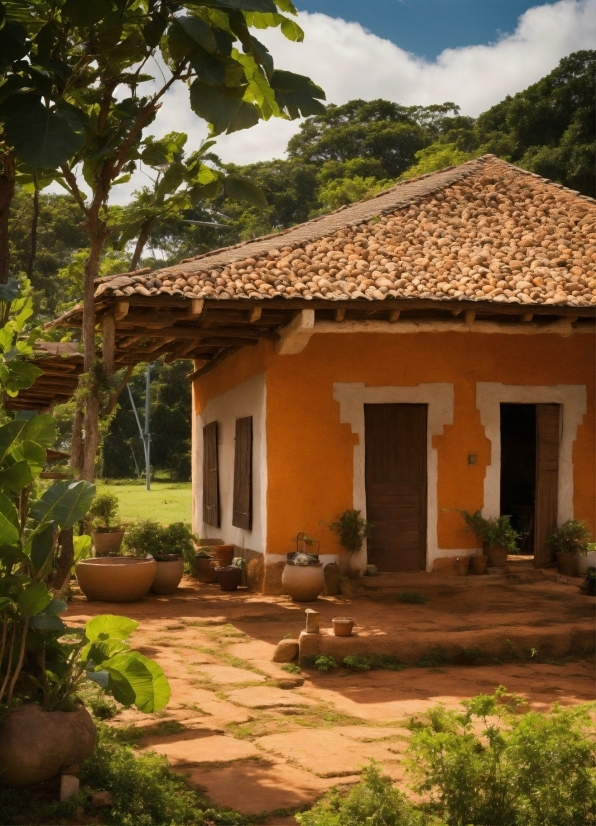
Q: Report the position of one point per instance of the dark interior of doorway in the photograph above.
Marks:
(518, 469)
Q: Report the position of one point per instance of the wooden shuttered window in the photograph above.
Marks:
(242, 507)
(211, 513)
(548, 427)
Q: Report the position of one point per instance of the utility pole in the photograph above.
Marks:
(144, 433)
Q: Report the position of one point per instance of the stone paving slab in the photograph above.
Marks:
(229, 675)
(252, 787)
(194, 747)
(324, 752)
(268, 697)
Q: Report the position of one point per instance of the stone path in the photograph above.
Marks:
(261, 739)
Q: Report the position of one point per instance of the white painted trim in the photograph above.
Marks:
(440, 400)
(296, 335)
(246, 399)
(573, 400)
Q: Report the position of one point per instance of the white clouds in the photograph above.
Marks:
(350, 62)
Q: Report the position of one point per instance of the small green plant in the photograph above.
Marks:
(104, 512)
(436, 656)
(357, 663)
(412, 598)
(493, 765)
(291, 668)
(497, 532)
(569, 538)
(375, 800)
(352, 529)
(162, 542)
(321, 662)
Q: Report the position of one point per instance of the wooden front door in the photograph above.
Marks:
(548, 429)
(395, 476)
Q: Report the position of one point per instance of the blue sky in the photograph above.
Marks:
(427, 27)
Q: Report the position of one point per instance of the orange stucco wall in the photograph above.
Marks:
(310, 453)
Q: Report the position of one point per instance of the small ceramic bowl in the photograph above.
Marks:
(342, 626)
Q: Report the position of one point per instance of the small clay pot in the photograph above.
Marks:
(497, 557)
(107, 542)
(35, 745)
(228, 577)
(478, 564)
(224, 554)
(567, 564)
(205, 568)
(168, 576)
(342, 626)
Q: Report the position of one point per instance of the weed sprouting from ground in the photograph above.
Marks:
(357, 663)
(291, 668)
(412, 598)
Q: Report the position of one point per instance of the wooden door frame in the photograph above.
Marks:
(573, 401)
(439, 398)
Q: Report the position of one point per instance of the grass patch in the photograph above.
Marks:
(412, 598)
(166, 502)
(436, 656)
(291, 668)
(166, 728)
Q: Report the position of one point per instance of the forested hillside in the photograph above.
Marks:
(347, 153)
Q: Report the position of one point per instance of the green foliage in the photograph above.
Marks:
(104, 510)
(291, 668)
(356, 663)
(342, 191)
(569, 538)
(412, 598)
(491, 764)
(374, 801)
(149, 537)
(324, 663)
(437, 156)
(496, 531)
(352, 529)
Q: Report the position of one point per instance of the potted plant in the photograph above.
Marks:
(567, 542)
(303, 578)
(169, 546)
(107, 531)
(498, 537)
(586, 559)
(352, 529)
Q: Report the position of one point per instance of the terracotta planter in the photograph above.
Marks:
(228, 577)
(585, 562)
(303, 583)
(167, 576)
(478, 564)
(116, 579)
(107, 542)
(567, 564)
(342, 626)
(224, 554)
(497, 557)
(205, 568)
(36, 745)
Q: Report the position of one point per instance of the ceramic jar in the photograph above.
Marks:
(107, 542)
(303, 583)
(229, 577)
(167, 576)
(342, 626)
(478, 564)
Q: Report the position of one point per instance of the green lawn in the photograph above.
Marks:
(166, 501)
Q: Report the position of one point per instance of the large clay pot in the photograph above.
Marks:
(567, 564)
(36, 745)
(107, 542)
(585, 562)
(116, 579)
(205, 568)
(497, 557)
(167, 576)
(224, 554)
(478, 564)
(303, 583)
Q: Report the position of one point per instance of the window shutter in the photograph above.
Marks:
(210, 476)
(548, 423)
(242, 515)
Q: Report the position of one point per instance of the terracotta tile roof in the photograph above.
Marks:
(482, 231)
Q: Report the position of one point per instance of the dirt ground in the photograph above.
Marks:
(261, 740)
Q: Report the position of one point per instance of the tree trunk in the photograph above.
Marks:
(7, 179)
(91, 436)
(141, 242)
(34, 221)
(76, 445)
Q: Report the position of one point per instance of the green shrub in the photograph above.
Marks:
(492, 765)
(104, 511)
(569, 538)
(150, 537)
(373, 802)
(357, 663)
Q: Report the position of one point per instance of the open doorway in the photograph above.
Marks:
(518, 470)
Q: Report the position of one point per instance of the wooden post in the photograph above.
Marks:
(340, 315)
(108, 343)
(394, 315)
